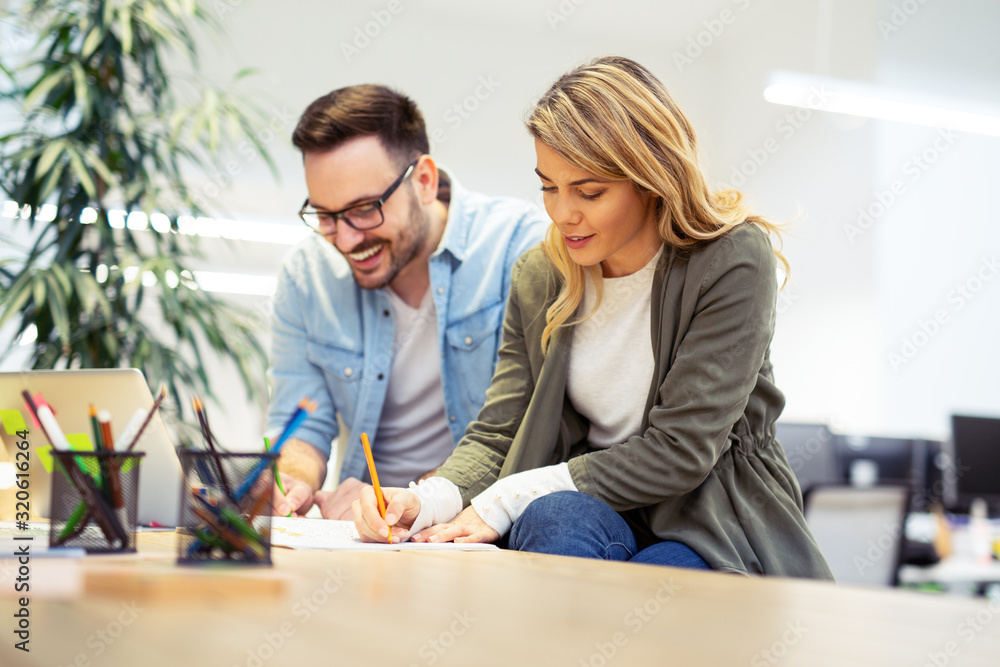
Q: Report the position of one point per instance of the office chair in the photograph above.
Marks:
(861, 531)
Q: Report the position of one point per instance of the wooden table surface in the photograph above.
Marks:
(482, 608)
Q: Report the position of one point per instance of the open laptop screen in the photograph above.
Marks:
(70, 393)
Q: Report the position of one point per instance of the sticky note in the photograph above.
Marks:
(80, 442)
(44, 453)
(12, 421)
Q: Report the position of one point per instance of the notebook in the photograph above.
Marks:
(301, 533)
(69, 393)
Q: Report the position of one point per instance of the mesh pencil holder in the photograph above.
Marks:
(225, 513)
(95, 500)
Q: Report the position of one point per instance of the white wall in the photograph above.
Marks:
(850, 301)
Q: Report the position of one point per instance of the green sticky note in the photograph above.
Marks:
(13, 421)
(80, 442)
(44, 453)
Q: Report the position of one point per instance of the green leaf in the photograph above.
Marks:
(102, 169)
(94, 39)
(125, 17)
(57, 307)
(38, 290)
(81, 89)
(38, 92)
(51, 153)
(52, 180)
(80, 169)
(14, 300)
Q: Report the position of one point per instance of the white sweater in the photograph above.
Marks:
(610, 366)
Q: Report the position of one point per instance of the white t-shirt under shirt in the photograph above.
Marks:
(413, 434)
(610, 368)
(611, 359)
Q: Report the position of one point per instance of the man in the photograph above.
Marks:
(391, 316)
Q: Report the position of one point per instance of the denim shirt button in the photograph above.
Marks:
(468, 340)
(452, 418)
(440, 290)
(348, 371)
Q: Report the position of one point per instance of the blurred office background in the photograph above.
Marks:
(890, 321)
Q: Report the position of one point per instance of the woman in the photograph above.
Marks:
(651, 290)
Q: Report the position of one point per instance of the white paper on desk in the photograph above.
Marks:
(300, 533)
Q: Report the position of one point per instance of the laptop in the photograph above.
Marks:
(70, 393)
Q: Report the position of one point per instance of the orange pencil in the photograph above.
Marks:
(374, 474)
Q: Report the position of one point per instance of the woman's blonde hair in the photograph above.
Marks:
(614, 119)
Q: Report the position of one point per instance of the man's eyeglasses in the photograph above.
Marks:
(367, 215)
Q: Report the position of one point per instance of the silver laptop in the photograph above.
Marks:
(70, 392)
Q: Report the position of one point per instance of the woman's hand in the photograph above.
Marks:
(401, 511)
(466, 527)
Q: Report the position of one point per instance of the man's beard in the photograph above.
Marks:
(402, 250)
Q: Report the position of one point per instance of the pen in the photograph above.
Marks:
(298, 416)
(374, 475)
(199, 410)
(98, 446)
(114, 487)
(277, 477)
(145, 423)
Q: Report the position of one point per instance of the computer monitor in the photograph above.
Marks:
(889, 460)
(931, 462)
(811, 453)
(976, 473)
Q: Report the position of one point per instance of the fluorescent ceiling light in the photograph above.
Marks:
(236, 283)
(240, 230)
(872, 101)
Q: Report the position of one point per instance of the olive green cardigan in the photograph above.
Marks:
(705, 469)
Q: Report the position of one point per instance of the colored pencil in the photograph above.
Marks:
(374, 475)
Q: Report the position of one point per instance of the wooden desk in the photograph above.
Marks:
(502, 608)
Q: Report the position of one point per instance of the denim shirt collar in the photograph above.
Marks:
(456, 230)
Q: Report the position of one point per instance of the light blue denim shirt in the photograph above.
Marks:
(332, 341)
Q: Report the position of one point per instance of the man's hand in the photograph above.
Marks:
(337, 504)
(302, 469)
(400, 513)
(298, 497)
(466, 527)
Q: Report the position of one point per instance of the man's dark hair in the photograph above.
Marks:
(361, 111)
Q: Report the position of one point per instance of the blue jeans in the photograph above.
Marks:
(570, 523)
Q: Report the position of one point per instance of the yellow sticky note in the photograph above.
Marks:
(13, 421)
(80, 442)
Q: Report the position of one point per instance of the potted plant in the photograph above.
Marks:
(94, 269)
